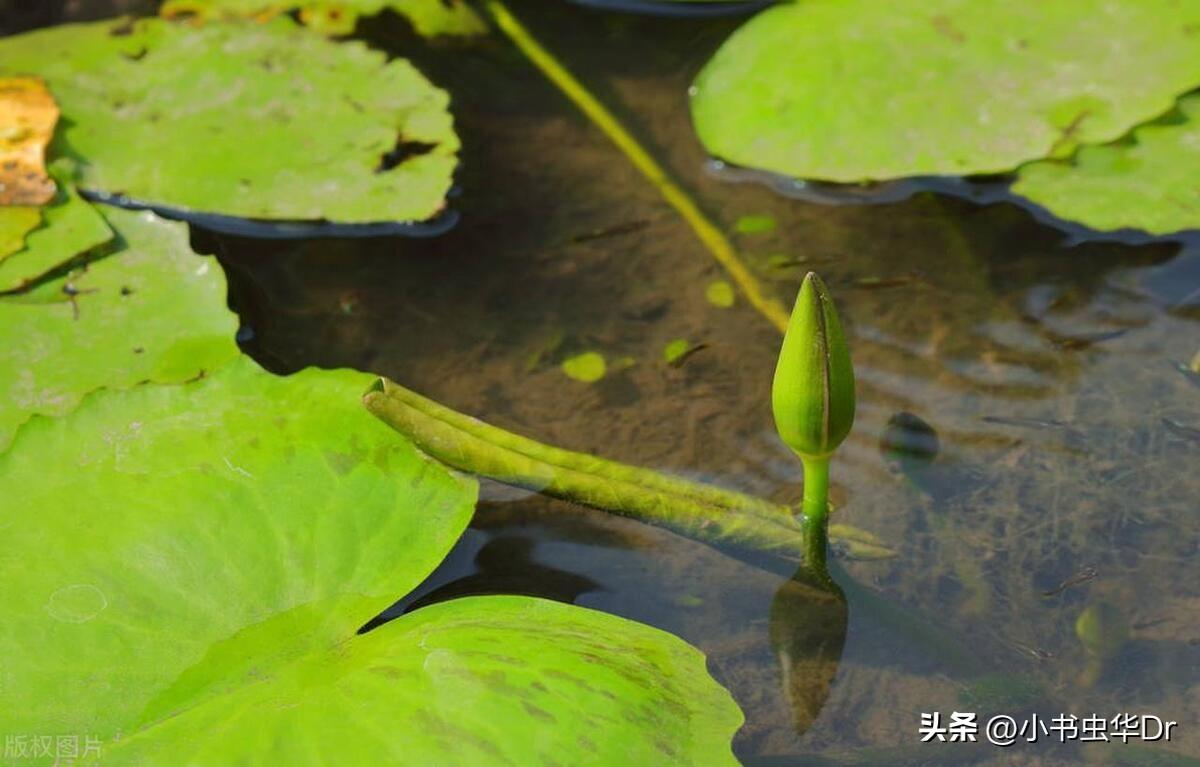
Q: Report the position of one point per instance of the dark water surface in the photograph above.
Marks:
(1044, 364)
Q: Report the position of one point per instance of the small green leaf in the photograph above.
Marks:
(675, 350)
(720, 293)
(755, 224)
(588, 367)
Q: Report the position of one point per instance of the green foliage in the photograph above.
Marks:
(338, 17)
(854, 90)
(216, 545)
(17, 221)
(69, 227)
(155, 311)
(265, 121)
(1145, 183)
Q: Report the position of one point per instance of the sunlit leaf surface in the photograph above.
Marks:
(338, 17)
(55, 234)
(853, 90)
(1146, 183)
(259, 120)
(155, 311)
(187, 567)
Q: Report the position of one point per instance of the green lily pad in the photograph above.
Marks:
(430, 18)
(264, 121)
(855, 90)
(16, 222)
(588, 367)
(153, 312)
(186, 568)
(1148, 183)
(69, 227)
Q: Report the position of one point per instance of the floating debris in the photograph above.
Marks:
(1183, 432)
(615, 230)
(1086, 341)
(898, 281)
(1033, 423)
(1079, 578)
(1189, 372)
(677, 352)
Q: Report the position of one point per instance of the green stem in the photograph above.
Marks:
(703, 512)
(816, 512)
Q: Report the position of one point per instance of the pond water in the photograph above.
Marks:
(1043, 360)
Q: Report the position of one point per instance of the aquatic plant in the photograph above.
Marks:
(812, 397)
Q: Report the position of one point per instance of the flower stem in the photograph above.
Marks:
(816, 513)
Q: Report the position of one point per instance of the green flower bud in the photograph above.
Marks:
(813, 392)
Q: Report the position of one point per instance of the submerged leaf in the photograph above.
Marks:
(720, 293)
(1148, 183)
(588, 367)
(153, 312)
(853, 90)
(27, 117)
(266, 121)
(429, 18)
(217, 545)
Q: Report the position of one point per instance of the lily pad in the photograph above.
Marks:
(153, 312)
(69, 227)
(856, 90)
(187, 566)
(430, 18)
(17, 221)
(1147, 183)
(258, 120)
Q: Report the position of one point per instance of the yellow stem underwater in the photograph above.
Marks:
(712, 237)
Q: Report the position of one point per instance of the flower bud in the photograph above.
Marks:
(813, 392)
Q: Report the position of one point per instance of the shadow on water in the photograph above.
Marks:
(1043, 366)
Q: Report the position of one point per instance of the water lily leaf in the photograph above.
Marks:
(855, 90)
(1148, 183)
(187, 566)
(17, 221)
(429, 18)
(69, 227)
(27, 117)
(265, 121)
(153, 312)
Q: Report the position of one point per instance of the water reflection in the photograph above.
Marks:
(808, 625)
